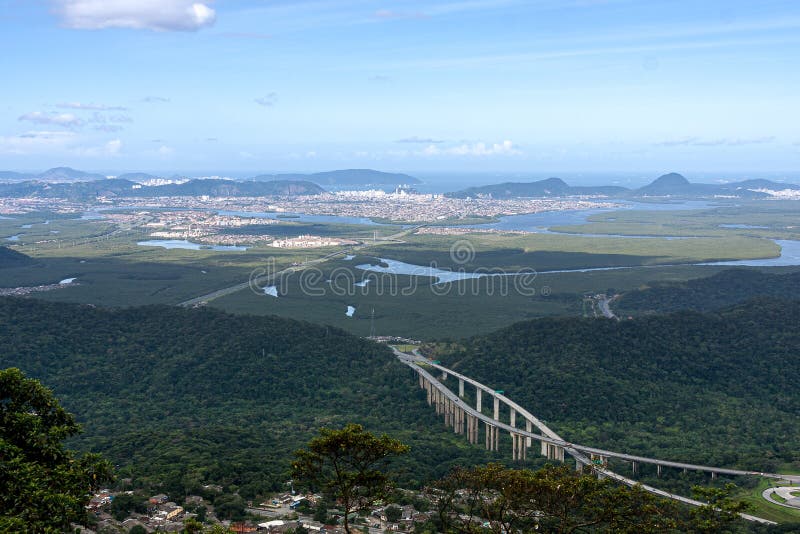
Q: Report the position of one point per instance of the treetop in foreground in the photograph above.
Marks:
(350, 465)
(43, 487)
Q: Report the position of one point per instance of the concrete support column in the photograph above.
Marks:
(461, 387)
(635, 468)
(513, 417)
(488, 435)
(515, 447)
(444, 376)
(496, 408)
(545, 449)
(713, 475)
(478, 397)
(658, 470)
(529, 428)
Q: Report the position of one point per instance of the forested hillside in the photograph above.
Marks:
(199, 396)
(12, 258)
(726, 288)
(716, 388)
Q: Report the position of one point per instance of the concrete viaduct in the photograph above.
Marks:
(467, 420)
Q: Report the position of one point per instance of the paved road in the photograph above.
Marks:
(575, 450)
(786, 492)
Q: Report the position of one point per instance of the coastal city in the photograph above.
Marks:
(235, 221)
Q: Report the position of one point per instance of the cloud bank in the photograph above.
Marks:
(267, 101)
(67, 120)
(480, 149)
(156, 15)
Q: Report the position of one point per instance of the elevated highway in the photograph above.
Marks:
(466, 419)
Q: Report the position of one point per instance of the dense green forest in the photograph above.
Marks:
(12, 258)
(713, 388)
(190, 397)
(726, 288)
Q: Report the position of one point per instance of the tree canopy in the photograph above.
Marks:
(43, 486)
(349, 465)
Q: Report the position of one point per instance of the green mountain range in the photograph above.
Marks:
(184, 397)
(668, 185)
(717, 388)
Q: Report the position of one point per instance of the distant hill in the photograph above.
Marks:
(12, 258)
(729, 287)
(137, 177)
(67, 174)
(551, 187)
(125, 188)
(676, 185)
(717, 388)
(344, 177)
(668, 185)
(193, 397)
(230, 188)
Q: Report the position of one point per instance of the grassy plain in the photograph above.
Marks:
(765, 219)
(111, 269)
(551, 252)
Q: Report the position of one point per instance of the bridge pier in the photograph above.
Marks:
(461, 388)
(478, 401)
(513, 417)
(713, 475)
(635, 468)
(496, 408)
(444, 376)
(529, 428)
(658, 470)
(518, 449)
(552, 452)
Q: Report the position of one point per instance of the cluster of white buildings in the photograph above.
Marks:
(311, 241)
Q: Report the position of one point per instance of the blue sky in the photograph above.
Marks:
(478, 85)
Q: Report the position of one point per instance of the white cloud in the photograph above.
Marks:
(267, 101)
(94, 107)
(35, 142)
(110, 128)
(480, 149)
(110, 148)
(421, 140)
(67, 120)
(165, 151)
(49, 143)
(158, 15)
(155, 99)
(100, 118)
(735, 141)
